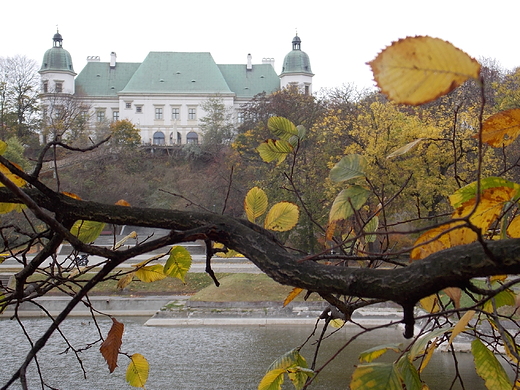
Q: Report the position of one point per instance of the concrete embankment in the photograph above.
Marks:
(112, 305)
(179, 311)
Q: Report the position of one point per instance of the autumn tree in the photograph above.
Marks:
(459, 274)
(124, 133)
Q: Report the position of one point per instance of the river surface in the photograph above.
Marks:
(198, 357)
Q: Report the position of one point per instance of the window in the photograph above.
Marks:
(115, 116)
(192, 113)
(138, 109)
(100, 116)
(176, 114)
(192, 138)
(59, 87)
(128, 105)
(158, 138)
(45, 87)
(158, 113)
(240, 117)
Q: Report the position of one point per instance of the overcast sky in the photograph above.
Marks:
(339, 36)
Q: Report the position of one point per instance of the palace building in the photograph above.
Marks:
(162, 95)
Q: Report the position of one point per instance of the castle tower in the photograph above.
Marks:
(57, 72)
(296, 68)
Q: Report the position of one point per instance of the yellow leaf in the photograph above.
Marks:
(3, 147)
(430, 304)
(150, 273)
(417, 70)
(87, 231)
(272, 380)
(489, 208)
(501, 129)
(440, 238)
(125, 281)
(255, 203)
(122, 202)
(337, 323)
(110, 347)
(178, 263)
(71, 195)
(17, 180)
(427, 356)
(8, 207)
(513, 230)
(293, 294)
(373, 353)
(274, 150)
(461, 325)
(226, 255)
(137, 372)
(282, 217)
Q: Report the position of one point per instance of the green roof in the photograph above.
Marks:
(296, 61)
(57, 59)
(177, 72)
(248, 83)
(99, 79)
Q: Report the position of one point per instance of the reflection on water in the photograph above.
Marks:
(196, 357)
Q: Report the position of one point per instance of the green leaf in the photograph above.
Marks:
(371, 227)
(405, 149)
(468, 192)
(282, 217)
(150, 273)
(282, 128)
(489, 368)
(409, 374)
(137, 372)
(353, 196)
(178, 263)
(274, 150)
(291, 363)
(503, 298)
(376, 376)
(349, 167)
(420, 345)
(255, 203)
(373, 353)
(87, 231)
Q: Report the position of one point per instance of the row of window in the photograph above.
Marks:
(159, 112)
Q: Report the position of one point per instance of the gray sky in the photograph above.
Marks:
(339, 36)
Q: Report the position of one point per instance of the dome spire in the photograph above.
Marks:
(57, 39)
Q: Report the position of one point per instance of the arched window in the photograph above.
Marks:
(158, 138)
(192, 138)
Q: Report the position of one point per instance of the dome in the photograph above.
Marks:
(57, 58)
(296, 61)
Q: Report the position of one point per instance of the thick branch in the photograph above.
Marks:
(449, 268)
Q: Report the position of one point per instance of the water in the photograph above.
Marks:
(198, 357)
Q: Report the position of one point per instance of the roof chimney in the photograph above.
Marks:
(268, 61)
(249, 64)
(113, 59)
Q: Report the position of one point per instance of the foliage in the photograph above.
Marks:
(124, 133)
(19, 89)
(217, 125)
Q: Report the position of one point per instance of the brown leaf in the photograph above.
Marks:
(455, 294)
(122, 202)
(110, 347)
(501, 129)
